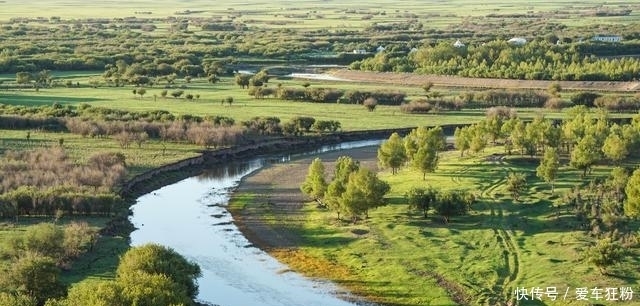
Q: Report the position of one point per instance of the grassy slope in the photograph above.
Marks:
(396, 255)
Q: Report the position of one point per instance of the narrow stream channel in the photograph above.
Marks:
(191, 217)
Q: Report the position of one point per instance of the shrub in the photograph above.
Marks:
(370, 104)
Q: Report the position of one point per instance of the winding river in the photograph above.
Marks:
(190, 216)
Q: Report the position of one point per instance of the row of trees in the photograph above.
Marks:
(352, 191)
(535, 60)
(445, 203)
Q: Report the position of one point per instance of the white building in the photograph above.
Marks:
(607, 38)
(518, 41)
(380, 49)
(458, 44)
(359, 51)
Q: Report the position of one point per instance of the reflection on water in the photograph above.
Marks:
(191, 217)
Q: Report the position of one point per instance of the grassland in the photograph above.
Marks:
(400, 258)
(323, 14)
(244, 107)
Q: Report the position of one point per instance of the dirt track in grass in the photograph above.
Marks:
(270, 219)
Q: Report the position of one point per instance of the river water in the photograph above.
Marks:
(190, 216)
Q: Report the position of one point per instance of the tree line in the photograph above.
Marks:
(536, 60)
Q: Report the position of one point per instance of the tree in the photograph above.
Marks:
(345, 165)
(163, 93)
(159, 260)
(315, 184)
(370, 103)
(229, 100)
(617, 181)
(615, 148)
(516, 184)
(462, 139)
(605, 253)
(177, 93)
(548, 168)
(452, 203)
(632, 190)
(34, 275)
(421, 198)
(243, 80)
(425, 160)
(143, 288)
(142, 92)
(392, 153)
(23, 77)
(364, 191)
(585, 154)
(97, 293)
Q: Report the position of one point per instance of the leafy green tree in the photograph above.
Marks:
(549, 165)
(364, 191)
(345, 165)
(34, 275)
(45, 239)
(462, 139)
(615, 148)
(617, 181)
(96, 293)
(160, 260)
(142, 92)
(478, 139)
(151, 289)
(452, 203)
(516, 184)
(421, 198)
(392, 153)
(605, 253)
(585, 154)
(425, 160)
(632, 190)
(315, 184)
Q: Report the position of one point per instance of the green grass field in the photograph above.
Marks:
(400, 258)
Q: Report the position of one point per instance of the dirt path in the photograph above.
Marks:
(273, 214)
(456, 81)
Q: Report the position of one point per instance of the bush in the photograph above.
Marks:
(370, 104)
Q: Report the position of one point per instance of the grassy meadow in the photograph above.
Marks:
(398, 257)
(244, 107)
(332, 15)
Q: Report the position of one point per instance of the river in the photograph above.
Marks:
(190, 216)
